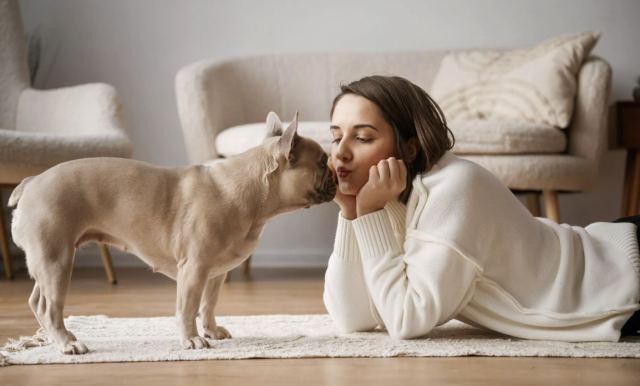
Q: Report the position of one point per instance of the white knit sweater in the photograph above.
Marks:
(464, 247)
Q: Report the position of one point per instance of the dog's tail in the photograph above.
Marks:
(17, 193)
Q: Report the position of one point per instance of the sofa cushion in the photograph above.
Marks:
(237, 139)
(537, 84)
(492, 136)
(472, 137)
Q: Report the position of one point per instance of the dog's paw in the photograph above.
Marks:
(194, 343)
(217, 333)
(74, 348)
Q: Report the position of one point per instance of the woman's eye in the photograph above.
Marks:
(359, 139)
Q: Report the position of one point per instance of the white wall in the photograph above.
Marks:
(139, 45)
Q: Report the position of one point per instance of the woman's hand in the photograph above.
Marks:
(387, 180)
(346, 203)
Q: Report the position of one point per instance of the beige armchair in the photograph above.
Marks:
(222, 104)
(41, 128)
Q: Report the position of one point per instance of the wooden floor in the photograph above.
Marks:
(142, 293)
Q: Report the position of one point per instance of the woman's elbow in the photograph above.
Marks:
(348, 322)
(348, 318)
(346, 326)
(404, 332)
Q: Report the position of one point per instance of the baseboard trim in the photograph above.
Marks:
(89, 256)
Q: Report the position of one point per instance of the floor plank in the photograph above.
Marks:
(293, 291)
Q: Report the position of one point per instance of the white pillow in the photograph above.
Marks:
(237, 139)
(536, 85)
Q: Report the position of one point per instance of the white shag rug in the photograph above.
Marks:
(287, 336)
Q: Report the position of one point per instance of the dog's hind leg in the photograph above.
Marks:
(52, 272)
(33, 302)
(207, 309)
(191, 282)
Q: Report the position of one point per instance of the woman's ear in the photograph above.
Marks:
(413, 146)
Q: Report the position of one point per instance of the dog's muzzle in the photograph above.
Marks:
(326, 191)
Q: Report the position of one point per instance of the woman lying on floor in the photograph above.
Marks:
(424, 236)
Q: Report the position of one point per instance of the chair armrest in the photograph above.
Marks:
(208, 102)
(588, 130)
(75, 110)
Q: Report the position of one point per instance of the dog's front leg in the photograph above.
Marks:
(191, 282)
(207, 309)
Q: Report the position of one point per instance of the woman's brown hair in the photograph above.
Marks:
(411, 112)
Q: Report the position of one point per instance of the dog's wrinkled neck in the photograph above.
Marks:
(256, 172)
(274, 203)
(273, 166)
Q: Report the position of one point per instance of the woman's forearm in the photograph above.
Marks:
(346, 296)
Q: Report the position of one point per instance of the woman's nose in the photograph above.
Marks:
(342, 151)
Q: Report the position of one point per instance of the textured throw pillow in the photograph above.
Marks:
(536, 85)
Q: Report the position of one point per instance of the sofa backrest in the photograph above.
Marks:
(14, 75)
(214, 95)
(307, 83)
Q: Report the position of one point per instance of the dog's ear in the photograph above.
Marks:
(288, 140)
(274, 126)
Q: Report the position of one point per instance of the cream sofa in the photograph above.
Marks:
(222, 105)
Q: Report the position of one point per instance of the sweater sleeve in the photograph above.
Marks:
(345, 292)
(414, 288)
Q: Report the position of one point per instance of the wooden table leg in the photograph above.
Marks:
(108, 265)
(627, 182)
(551, 206)
(631, 192)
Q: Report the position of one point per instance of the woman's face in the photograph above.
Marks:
(361, 138)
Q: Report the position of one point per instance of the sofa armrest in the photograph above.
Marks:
(208, 102)
(588, 130)
(75, 110)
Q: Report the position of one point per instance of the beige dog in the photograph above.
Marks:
(192, 224)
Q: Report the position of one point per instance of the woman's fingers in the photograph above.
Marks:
(394, 169)
(397, 170)
(387, 179)
(374, 175)
(390, 172)
(401, 172)
(383, 170)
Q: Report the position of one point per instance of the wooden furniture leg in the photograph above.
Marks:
(552, 211)
(4, 245)
(631, 191)
(108, 265)
(246, 267)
